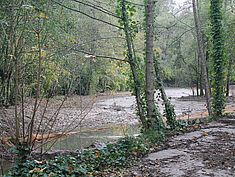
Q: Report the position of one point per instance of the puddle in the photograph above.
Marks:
(87, 138)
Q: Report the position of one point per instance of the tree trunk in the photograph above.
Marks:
(201, 80)
(132, 62)
(230, 50)
(169, 108)
(202, 55)
(38, 90)
(207, 65)
(17, 119)
(218, 57)
(198, 75)
(150, 75)
(229, 72)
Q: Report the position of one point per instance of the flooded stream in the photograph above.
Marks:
(87, 138)
(112, 117)
(120, 119)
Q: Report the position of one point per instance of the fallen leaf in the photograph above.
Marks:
(205, 133)
(37, 170)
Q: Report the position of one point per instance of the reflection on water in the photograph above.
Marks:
(89, 137)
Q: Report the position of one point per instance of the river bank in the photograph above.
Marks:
(209, 151)
(99, 118)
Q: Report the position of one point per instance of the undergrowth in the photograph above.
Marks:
(87, 163)
(90, 162)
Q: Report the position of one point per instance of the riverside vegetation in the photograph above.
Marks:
(52, 48)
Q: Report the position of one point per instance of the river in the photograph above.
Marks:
(114, 117)
(111, 117)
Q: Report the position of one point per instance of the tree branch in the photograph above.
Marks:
(99, 8)
(179, 37)
(75, 10)
(100, 56)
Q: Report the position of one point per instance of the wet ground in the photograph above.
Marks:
(102, 110)
(108, 117)
(99, 118)
(208, 152)
(113, 116)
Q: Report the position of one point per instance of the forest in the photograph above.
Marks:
(117, 88)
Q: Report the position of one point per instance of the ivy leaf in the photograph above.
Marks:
(43, 16)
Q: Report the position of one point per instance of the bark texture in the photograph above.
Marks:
(150, 73)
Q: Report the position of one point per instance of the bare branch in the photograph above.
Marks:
(179, 37)
(179, 20)
(99, 8)
(75, 10)
(101, 56)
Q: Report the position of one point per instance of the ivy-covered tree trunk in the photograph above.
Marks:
(218, 82)
(133, 63)
(202, 55)
(169, 108)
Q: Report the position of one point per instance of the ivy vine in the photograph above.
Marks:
(217, 54)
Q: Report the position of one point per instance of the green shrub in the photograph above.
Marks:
(117, 155)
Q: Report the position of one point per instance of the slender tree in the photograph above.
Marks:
(202, 55)
(229, 43)
(132, 61)
(169, 108)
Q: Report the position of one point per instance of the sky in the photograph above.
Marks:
(179, 2)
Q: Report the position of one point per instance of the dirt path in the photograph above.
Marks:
(208, 152)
